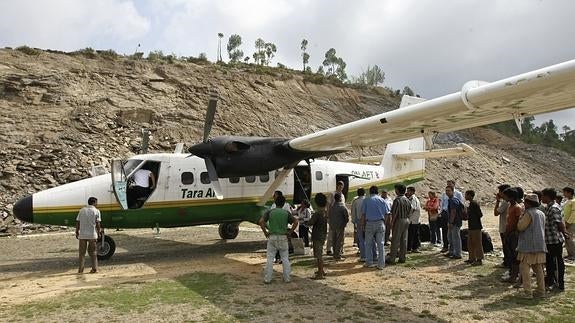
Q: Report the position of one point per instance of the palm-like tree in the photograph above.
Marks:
(220, 35)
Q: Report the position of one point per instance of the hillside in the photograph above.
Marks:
(61, 113)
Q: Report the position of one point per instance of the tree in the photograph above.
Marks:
(304, 54)
(203, 57)
(373, 76)
(220, 36)
(260, 54)
(233, 52)
(320, 70)
(246, 59)
(270, 50)
(335, 65)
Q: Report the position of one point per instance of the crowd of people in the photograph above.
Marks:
(533, 227)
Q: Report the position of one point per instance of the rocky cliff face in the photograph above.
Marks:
(61, 113)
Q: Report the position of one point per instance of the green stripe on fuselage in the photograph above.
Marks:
(168, 216)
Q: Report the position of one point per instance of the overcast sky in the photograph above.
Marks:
(433, 46)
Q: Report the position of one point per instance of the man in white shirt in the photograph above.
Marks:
(142, 188)
(413, 242)
(87, 233)
(389, 202)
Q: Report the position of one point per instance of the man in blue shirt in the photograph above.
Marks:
(374, 210)
(443, 215)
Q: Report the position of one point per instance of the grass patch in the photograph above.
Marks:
(194, 290)
(304, 263)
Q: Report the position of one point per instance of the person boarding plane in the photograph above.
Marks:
(229, 179)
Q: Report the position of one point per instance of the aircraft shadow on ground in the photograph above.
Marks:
(157, 253)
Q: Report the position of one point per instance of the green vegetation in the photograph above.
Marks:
(335, 66)
(87, 52)
(371, 77)
(29, 50)
(108, 54)
(547, 134)
(194, 290)
(304, 54)
(264, 53)
(234, 52)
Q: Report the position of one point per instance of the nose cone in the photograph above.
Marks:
(202, 150)
(23, 209)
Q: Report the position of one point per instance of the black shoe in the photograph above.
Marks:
(329, 253)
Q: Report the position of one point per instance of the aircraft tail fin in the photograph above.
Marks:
(402, 169)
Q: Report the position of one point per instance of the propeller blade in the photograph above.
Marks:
(214, 178)
(210, 113)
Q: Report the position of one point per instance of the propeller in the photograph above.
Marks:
(204, 149)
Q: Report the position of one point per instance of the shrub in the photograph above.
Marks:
(108, 54)
(88, 52)
(156, 56)
(137, 55)
(29, 51)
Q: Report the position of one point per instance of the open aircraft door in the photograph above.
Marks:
(120, 183)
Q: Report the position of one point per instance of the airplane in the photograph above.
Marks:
(229, 179)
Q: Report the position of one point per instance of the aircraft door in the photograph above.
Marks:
(302, 184)
(345, 180)
(120, 183)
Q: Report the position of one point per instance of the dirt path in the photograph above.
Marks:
(38, 279)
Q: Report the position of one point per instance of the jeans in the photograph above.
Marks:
(374, 234)
(434, 231)
(455, 240)
(361, 245)
(277, 243)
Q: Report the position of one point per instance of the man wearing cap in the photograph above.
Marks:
(531, 245)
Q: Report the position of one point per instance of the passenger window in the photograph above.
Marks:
(205, 178)
(234, 180)
(264, 178)
(250, 179)
(187, 178)
(318, 175)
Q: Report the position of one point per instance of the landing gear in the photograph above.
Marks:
(229, 230)
(105, 249)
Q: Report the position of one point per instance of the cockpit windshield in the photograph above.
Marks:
(131, 165)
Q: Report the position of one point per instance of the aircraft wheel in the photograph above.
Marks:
(106, 249)
(229, 230)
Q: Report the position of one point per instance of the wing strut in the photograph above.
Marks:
(519, 121)
(281, 176)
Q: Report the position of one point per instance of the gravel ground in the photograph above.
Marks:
(41, 269)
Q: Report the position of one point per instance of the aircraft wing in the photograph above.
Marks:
(478, 103)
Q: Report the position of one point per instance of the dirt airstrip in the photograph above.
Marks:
(189, 274)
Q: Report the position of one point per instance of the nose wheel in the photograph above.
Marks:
(229, 230)
(106, 248)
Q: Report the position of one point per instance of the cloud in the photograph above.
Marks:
(70, 24)
(434, 47)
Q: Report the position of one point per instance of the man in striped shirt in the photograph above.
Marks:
(400, 211)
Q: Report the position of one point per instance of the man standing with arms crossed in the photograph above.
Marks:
(87, 231)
